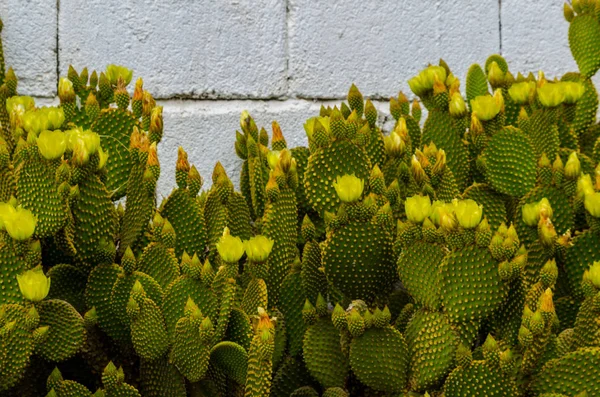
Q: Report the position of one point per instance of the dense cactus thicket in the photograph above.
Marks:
(457, 255)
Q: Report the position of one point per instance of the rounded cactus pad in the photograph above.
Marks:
(431, 344)
(342, 157)
(471, 286)
(511, 165)
(584, 41)
(584, 252)
(479, 379)
(379, 358)
(232, 359)
(65, 333)
(323, 354)
(419, 269)
(359, 260)
(571, 374)
(494, 206)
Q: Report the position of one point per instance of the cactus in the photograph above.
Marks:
(457, 255)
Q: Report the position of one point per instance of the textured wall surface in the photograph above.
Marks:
(206, 61)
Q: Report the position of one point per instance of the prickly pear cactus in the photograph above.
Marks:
(457, 254)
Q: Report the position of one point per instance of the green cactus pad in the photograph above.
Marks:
(494, 207)
(122, 288)
(471, 286)
(99, 286)
(304, 391)
(419, 269)
(11, 265)
(301, 155)
(477, 84)
(148, 331)
(479, 379)
(238, 216)
(280, 220)
(586, 326)
(586, 107)
(313, 279)
(358, 260)
(115, 127)
(255, 296)
(323, 354)
(440, 130)
(94, 219)
(291, 302)
(160, 263)
(189, 353)
(66, 333)
(68, 284)
(325, 165)
(176, 296)
(232, 359)
(584, 41)
(507, 320)
(188, 221)
(37, 191)
(18, 344)
(511, 164)
(215, 218)
(570, 374)
(544, 133)
(379, 358)
(431, 345)
(239, 329)
(585, 250)
(159, 378)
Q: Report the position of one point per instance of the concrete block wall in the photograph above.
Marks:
(206, 61)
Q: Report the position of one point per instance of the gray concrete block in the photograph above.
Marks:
(200, 49)
(379, 45)
(29, 40)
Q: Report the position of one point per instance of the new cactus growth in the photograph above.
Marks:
(453, 256)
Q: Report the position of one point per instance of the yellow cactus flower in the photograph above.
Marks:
(468, 213)
(424, 81)
(55, 117)
(486, 107)
(18, 222)
(457, 106)
(592, 204)
(273, 158)
(495, 75)
(417, 208)
(521, 93)
(34, 285)
(551, 94)
(394, 145)
(584, 186)
(113, 72)
(52, 144)
(91, 140)
(349, 188)
(544, 208)
(258, 248)
(573, 91)
(230, 248)
(19, 103)
(594, 274)
(6, 211)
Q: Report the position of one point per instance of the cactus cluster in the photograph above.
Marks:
(457, 255)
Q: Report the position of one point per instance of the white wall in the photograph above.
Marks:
(206, 61)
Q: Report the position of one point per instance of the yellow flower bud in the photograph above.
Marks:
(52, 144)
(594, 274)
(230, 248)
(113, 72)
(91, 141)
(544, 208)
(468, 213)
(273, 158)
(573, 166)
(457, 106)
(258, 248)
(66, 93)
(394, 145)
(486, 107)
(551, 94)
(19, 223)
(495, 75)
(417, 208)
(592, 204)
(573, 91)
(349, 188)
(521, 93)
(34, 285)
